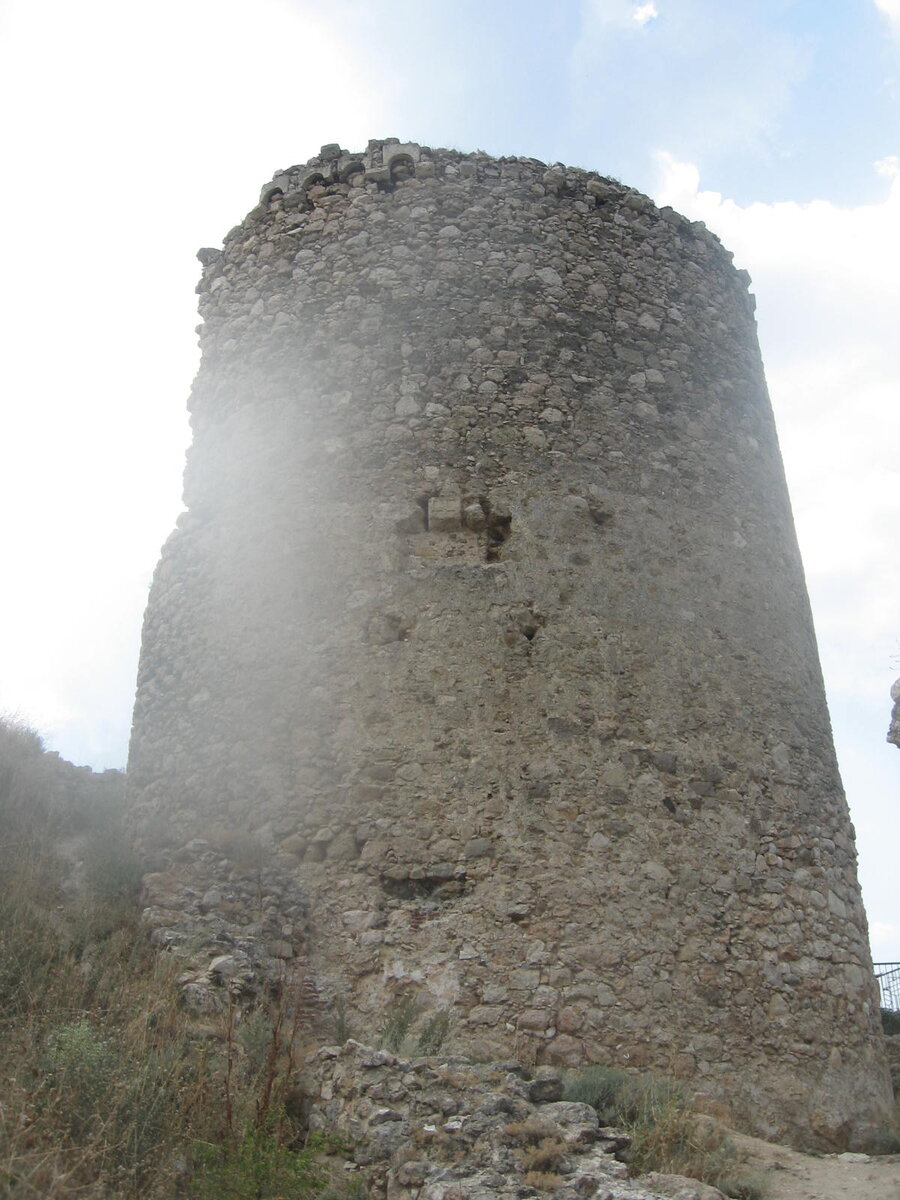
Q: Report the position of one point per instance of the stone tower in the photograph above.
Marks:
(487, 617)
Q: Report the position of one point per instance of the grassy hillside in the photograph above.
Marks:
(108, 1088)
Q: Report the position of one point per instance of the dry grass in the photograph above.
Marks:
(530, 1132)
(106, 1089)
(545, 1156)
(543, 1181)
(666, 1134)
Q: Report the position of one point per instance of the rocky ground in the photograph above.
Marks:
(451, 1129)
(790, 1175)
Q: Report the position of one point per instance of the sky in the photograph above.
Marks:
(135, 134)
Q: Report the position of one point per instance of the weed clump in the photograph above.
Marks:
(254, 1166)
(666, 1133)
(398, 1023)
(435, 1032)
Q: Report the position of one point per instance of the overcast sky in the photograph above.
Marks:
(134, 134)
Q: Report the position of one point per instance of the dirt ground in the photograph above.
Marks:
(791, 1175)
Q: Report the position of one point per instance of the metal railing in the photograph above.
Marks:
(888, 976)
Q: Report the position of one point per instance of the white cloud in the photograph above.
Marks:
(885, 938)
(826, 281)
(890, 8)
(159, 128)
(645, 13)
(624, 81)
(621, 13)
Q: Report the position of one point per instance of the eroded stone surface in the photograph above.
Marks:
(486, 618)
(451, 1129)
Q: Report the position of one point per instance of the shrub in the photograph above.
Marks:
(543, 1181)
(255, 1166)
(80, 1076)
(666, 1133)
(545, 1156)
(605, 1089)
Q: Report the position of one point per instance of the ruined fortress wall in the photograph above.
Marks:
(487, 616)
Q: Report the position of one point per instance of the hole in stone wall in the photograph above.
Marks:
(314, 186)
(524, 623)
(416, 521)
(601, 514)
(274, 193)
(384, 628)
(354, 168)
(438, 888)
(402, 167)
(499, 526)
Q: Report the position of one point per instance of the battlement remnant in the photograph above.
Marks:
(487, 618)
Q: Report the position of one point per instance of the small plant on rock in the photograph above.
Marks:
(398, 1023)
(433, 1036)
(343, 1030)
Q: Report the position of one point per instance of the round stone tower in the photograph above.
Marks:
(486, 617)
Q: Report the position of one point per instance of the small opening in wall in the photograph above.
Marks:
(354, 168)
(428, 887)
(275, 193)
(316, 180)
(423, 504)
(402, 167)
(499, 525)
(601, 514)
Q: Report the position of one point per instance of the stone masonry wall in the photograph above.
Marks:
(486, 617)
